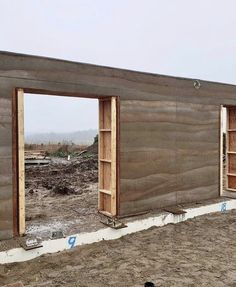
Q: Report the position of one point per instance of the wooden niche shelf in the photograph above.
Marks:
(107, 156)
(231, 149)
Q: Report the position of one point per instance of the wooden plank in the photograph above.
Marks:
(106, 180)
(231, 174)
(117, 156)
(21, 163)
(232, 182)
(231, 163)
(105, 130)
(105, 191)
(107, 114)
(228, 194)
(227, 149)
(100, 171)
(221, 149)
(100, 115)
(106, 148)
(232, 118)
(104, 99)
(107, 203)
(108, 214)
(105, 160)
(232, 141)
(113, 156)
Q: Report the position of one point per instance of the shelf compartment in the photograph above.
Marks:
(105, 160)
(105, 130)
(105, 191)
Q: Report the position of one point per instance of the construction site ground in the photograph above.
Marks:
(197, 252)
(62, 195)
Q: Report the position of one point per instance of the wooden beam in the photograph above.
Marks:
(221, 151)
(227, 147)
(117, 156)
(21, 163)
(105, 191)
(113, 156)
(105, 160)
(100, 125)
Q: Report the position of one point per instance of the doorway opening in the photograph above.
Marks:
(65, 173)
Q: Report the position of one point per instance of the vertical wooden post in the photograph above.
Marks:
(227, 148)
(113, 156)
(100, 125)
(21, 160)
(221, 151)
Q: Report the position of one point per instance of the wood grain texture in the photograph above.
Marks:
(21, 160)
(107, 157)
(113, 157)
(232, 163)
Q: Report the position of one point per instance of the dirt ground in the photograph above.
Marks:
(197, 252)
(62, 196)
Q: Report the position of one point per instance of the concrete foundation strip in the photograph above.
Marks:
(52, 246)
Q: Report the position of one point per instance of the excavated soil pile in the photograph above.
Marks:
(62, 176)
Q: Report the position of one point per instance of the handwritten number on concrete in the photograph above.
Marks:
(223, 207)
(71, 241)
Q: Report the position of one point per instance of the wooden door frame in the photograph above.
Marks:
(225, 192)
(19, 214)
(107, 156)
(221, 151)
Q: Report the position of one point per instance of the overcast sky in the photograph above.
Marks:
(186, 38)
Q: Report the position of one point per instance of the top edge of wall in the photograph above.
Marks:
(89, 65)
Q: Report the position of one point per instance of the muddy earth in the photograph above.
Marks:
(197, 252)
(62, 195)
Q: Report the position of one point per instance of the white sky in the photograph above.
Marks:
(59, 114)
(187, 38)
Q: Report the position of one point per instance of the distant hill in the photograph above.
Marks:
(78, 137)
